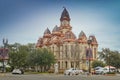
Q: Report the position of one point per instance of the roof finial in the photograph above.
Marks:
(64, 7)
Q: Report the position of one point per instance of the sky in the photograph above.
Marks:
(24, 21)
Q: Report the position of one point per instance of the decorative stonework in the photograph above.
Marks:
(68, 50)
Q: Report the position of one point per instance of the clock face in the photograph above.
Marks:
(65, 23)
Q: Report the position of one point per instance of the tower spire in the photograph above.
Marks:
(65, 15)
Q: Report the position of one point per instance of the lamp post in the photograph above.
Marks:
(5, 42)
(89, 41)
(109, 61)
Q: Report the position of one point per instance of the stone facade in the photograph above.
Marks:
(69, 51)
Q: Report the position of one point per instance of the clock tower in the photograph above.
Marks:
(65, 21)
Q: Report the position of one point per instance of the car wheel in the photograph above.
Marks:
(70, 74)
(102, 73)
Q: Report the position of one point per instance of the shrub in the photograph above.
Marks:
(110, 73)
(8, 69)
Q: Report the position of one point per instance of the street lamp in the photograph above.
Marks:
(89, 41)
(5, 42)
(109, 61)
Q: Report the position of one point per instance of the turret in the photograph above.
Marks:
(47, 33)
(65, 21)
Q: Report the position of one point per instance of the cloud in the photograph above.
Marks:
(98, 20)
(99, 25)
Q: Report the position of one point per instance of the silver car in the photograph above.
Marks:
(71, 71)
(17, 71)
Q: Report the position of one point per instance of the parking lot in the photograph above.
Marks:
(9, 76)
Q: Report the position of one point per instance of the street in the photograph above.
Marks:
(56, 77)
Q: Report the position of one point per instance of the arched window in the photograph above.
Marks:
(72, 64)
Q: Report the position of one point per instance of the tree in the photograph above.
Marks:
(31, 52)
(97, 63)
(110, 57)
(104, 55)
(22, 56)
(48, 58)
(17, 55)
(42, 58)
(115, 59)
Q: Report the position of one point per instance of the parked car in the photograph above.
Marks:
(99, 71)
(17, 71)
(80, 71)
(104, 70)
(111, 70)
(71, 71)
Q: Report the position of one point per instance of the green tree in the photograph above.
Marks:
(97, 63)
(115, 59)
(17, 55)
(29, 56)
(105, 55)
(31, 53)
(110, 57)
(42, 58)
(47, 59)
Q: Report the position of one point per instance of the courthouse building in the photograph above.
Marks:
(69, 50)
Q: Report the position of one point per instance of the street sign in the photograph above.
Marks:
(89, 54)
(4, 54)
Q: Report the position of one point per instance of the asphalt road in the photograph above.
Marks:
(56, 77)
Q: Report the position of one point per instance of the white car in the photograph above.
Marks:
(107, 70)
(99, 71)
(104, 70)
(71, 71)
(80, 71)
(17, 71)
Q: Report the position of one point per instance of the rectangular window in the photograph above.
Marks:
(66, 51)
(94, 52)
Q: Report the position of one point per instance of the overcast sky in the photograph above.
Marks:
(24, 21)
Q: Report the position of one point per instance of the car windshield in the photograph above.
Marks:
(105, 68)
(96, 68)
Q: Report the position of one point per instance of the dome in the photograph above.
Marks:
(70, 36)
(47, 31)
(81, 35)
(94, 41)
(55, 29)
